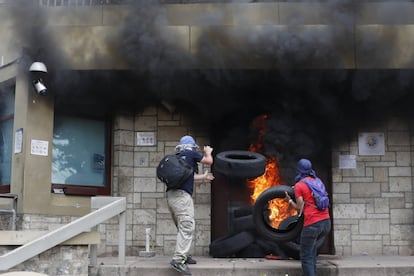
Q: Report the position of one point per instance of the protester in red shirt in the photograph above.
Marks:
(317, 224)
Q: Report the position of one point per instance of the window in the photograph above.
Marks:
(80, 161)
(6, 136)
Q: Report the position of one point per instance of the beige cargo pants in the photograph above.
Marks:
(181, 207)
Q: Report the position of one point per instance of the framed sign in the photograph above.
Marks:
(39, 147)
(146, 139)
(371, 143)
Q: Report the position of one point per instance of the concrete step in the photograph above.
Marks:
(206, 266)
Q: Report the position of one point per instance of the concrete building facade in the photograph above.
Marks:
(372, 200)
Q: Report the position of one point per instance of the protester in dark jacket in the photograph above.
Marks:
(180, 202)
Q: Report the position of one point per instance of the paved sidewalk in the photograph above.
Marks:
(206, 266)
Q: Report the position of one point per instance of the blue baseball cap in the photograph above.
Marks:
(188, 140)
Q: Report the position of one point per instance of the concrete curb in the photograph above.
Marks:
(206, 266)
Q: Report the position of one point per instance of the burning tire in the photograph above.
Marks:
(288, 223)
(260, 216)
(240, 164)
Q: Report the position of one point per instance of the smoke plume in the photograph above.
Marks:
(307, 109)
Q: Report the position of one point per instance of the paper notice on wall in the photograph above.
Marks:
(39, 147)
(18, 141)
(371, 143)
(347, 162)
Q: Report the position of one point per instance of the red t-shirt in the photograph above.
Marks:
(311, 213)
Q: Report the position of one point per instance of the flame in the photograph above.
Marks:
(278, 208)
(268, 179)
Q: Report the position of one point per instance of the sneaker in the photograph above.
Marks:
(180, 267)
(190, 260)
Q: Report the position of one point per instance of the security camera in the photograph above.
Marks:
(40, 87)
(38, 69)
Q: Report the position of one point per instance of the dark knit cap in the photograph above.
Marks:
(304, 169)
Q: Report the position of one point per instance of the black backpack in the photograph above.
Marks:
(173, 171)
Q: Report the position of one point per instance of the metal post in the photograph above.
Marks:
(14, 212)
(122, 234)
(93, 251)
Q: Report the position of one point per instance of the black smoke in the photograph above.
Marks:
(307, 109)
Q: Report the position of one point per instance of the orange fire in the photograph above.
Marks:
(278, 209)
(268, 179)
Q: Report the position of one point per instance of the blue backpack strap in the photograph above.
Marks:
(307, 182)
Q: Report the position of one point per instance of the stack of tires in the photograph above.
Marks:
(251, 235)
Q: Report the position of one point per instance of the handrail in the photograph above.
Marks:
(113, 206)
